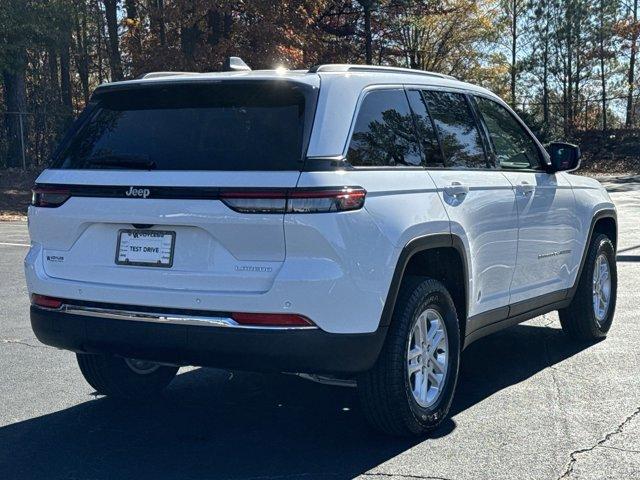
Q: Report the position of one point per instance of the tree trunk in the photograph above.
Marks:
(545, 90)
(189, 37)
(99, 38)
(368, 47)
(82, 56)
(115, 61)
(578, 50)
(53, 73)
(631, 76)
(545, 73)
(15, 96)
(514, 48)
(603, 78)
(65, 77)
(134, 31)
(569, 78)
(565, 106)
(214, 26)
(157, 21)
(227, 24)
(413, 60)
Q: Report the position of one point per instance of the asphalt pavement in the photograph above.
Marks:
(530, 405)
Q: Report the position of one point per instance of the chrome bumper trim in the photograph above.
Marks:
(168, 318)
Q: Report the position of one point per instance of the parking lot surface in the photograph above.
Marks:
(529, 405)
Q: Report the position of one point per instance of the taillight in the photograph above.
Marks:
(255, 201)
(272, 319)
(46, 302)
(49, 197)
(326, 200)
(299, 200)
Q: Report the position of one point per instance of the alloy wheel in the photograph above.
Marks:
(601, 288)
(428, 357)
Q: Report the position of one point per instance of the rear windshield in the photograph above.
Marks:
(258, 125)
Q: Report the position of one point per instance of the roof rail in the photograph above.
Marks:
(344, 67)
(164, 74)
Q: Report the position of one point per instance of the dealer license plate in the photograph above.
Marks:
(145, 248)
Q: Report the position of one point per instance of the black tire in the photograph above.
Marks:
(579, 320)
(385, 391)
(114, 377)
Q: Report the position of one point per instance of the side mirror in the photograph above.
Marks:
(565, 157)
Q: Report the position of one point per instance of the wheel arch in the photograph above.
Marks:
(603, 221)
(441, 257)
(608, 225)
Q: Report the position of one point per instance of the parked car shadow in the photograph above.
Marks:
(219, 424)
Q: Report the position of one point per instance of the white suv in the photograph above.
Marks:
(349, 222)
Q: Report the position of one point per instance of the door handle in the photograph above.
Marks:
(525, 188)
(456, 189)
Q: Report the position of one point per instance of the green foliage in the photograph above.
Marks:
(18, 31)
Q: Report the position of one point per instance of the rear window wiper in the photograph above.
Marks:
(138, 162)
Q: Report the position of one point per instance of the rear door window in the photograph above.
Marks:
(426, 130)
(459, 134)
(215, 126)
(384, 133)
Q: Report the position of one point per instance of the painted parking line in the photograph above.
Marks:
(15, 244)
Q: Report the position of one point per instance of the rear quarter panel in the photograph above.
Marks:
(362, 248)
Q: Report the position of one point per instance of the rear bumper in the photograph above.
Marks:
(256, 349)
(340, 296)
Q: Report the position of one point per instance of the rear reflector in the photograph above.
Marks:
(299, 200)
(272, 319)
(49, 197)
(45, 302)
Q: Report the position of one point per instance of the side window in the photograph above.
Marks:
(512, 144)
(384, 133)
(426, 130)
(459, 134)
